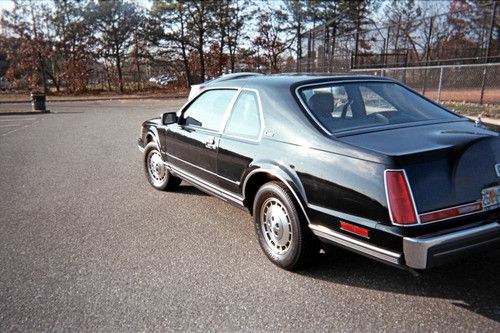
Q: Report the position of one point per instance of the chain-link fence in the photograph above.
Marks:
(468, 33)
(460, 83)
(453, 56)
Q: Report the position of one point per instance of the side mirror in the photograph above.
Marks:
(169, 118)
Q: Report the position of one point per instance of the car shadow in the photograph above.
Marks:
(190, 189)
(472, 283)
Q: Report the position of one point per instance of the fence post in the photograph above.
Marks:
(440, 84)
(483, 85)
(427, 55)
(488, 45)
(325, 51)
(309, 50)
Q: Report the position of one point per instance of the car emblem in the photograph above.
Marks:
(497, 169)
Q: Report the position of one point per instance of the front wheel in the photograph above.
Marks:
(283, 234)
(156, 171)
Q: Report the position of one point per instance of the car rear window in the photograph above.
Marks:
(345, 106)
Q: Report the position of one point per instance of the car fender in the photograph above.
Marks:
(152, 135)
(279, 171)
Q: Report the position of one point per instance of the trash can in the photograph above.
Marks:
(38, 101)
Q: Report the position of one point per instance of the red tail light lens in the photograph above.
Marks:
(354, 229)
(399, 198)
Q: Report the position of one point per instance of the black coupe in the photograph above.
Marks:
(360, 162)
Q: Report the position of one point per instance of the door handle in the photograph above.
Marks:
(210, 142)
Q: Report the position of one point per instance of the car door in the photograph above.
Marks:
(240, 140)
(191, 145)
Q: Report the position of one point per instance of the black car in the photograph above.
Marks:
(360, 162)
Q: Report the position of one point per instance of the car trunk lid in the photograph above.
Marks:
(447, 164)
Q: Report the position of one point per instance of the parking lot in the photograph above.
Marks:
(86, 244)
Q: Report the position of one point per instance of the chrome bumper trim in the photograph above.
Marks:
(416, 250)
(356, 245)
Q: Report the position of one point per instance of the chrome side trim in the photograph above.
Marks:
(416, 249)
(141, 149)
(203, 169)
(356, 245)
(206, 185)
(411, 194)
(283, 181)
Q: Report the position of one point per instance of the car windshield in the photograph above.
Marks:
(345, 106)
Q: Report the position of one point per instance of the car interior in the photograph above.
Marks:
(353, 106)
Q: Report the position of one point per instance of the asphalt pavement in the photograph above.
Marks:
(87, 245)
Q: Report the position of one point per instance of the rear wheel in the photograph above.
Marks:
(156, 171)
(282, 232)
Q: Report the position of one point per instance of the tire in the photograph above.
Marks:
(156, 172)
(281, 230)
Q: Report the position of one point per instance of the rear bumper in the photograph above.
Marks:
(432, 250)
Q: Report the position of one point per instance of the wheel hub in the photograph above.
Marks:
(275, 224)
(156, 167)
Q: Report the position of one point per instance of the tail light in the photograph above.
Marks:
(402, 208)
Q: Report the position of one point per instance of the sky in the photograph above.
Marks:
(439, 5)
(6, 4)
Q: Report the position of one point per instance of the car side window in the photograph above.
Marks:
(245, 117)
(374, 102)
(208, 109)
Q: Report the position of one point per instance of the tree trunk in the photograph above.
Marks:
(58, 88)
(221, 55)
(185, 61)
(232, 56)
(202, 57)
(43, 77)
(119, 69)
(138, 67)
(299, 47)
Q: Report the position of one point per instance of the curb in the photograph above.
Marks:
(109, 98)
(23, 113)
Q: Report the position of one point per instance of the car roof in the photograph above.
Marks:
(289, 80)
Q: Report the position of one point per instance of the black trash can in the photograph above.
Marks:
(38, 101)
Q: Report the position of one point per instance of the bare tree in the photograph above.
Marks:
(115, 21)
(235, 29)
(73, 41)
(168, 32)
(28, 49)
(199, 24)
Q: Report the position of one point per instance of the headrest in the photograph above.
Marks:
(321, 103)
